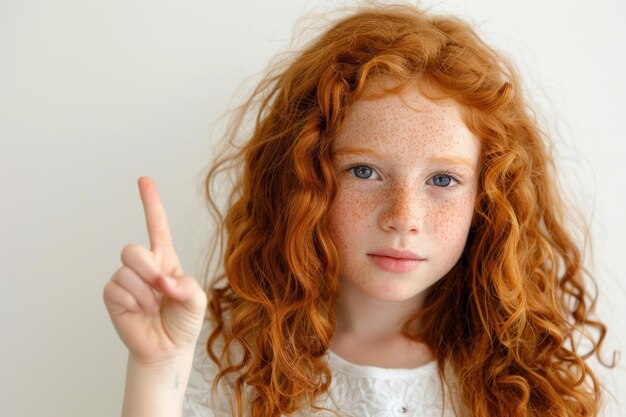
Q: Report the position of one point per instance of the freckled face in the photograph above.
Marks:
(407, 172)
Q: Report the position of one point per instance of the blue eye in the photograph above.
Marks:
(443, 179)
(362, 171)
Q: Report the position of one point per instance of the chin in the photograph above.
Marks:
(395, 292)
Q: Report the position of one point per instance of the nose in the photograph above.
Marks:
(403, 211)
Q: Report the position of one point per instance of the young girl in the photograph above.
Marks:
(395, 246)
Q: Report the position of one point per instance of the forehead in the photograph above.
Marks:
(407, 122)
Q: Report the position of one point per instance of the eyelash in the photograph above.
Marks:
(440, 173)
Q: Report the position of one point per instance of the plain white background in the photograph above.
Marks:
(95, 94)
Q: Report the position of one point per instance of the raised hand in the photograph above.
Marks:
(156, 309)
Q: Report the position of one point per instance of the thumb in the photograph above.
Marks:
(183, 289)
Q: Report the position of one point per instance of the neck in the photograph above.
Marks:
(362, 317)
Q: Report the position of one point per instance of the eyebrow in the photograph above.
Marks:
(455, 160)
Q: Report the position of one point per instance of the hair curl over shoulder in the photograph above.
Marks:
(505, 317)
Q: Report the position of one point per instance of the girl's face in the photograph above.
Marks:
(407, 172)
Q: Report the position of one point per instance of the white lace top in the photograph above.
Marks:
(355, 390)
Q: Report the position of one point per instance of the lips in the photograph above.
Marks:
(395, 260)
(397, 253)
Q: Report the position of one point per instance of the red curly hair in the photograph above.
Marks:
(505, 317)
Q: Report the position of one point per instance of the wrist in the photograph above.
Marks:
(156, 389)
(170, 372)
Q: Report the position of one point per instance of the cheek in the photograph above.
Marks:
(450, 225)
(350, 216)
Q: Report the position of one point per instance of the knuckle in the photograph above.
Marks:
(114, 294)
(124, 273)
(130, 251)
(107, 291)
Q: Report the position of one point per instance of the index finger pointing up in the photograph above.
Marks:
(156, 220)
